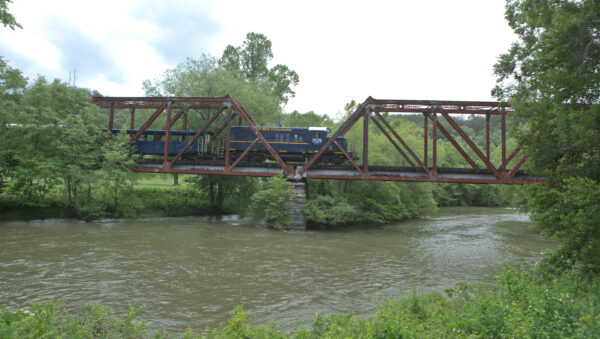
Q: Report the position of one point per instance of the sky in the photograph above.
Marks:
(342, 50)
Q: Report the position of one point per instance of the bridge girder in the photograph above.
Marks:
(371, 110)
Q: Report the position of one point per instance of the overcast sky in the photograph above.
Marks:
(342, 50)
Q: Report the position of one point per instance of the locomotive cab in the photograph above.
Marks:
(318, 136)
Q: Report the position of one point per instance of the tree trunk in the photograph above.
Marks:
(116, 196)
(69, 192)
(220, 196)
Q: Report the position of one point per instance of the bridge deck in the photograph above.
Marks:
(342, 172)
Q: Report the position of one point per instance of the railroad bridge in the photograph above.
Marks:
(217, 115)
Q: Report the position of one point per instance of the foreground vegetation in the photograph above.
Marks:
(522, 303)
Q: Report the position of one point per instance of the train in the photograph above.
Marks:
(295, 144)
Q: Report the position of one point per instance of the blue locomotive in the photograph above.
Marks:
(291, 143)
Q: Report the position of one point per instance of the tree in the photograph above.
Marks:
(116, 163)
(250, 61)
(551, 76)
(12, 86)
(7, 19)
(203, 77)
(308, 119)
(55, 140)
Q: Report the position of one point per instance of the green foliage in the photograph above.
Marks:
(478, 195)
(170, 201)
(308, 119)
(48, 320)
(227, 194)
(115, 165)
(325, 210)
(570, 212)
(240, 326)
(204, 78)
(551, 77)
(7, 19)
(272, 204)
(18, 208)
(250, 62)
(335, 203)
(165, 201)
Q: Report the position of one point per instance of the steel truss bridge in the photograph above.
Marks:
(481, 169)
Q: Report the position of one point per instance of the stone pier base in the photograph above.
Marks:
(298, 201)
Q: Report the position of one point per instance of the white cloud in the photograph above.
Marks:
(346, 50)
(342, 50)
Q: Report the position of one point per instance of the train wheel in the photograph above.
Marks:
(256, 157)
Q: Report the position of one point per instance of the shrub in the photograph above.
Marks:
(272, 203)
(326, 211)
(48, 320)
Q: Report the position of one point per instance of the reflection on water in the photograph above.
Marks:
(191, 272)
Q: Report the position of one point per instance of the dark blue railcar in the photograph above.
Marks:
(152, 142)
(292, 143)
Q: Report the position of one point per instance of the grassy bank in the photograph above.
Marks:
(141, 201)
(522, 303)
(152, 195)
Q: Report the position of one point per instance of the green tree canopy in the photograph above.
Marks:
(7, 19)
(552, 77)
(250, 62)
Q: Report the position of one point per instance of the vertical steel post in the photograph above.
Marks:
(366, 144)
(503, 116)
(184, 127)
(166, 166)
(487, 136)
(434, 148)
(425, 131)
(228, 139)
(132, 119)
(111, 117)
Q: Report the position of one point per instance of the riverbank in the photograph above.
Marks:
(522, 302)
(141, 201)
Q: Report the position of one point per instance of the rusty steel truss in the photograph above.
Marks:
(371, 110)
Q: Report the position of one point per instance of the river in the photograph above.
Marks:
(191, 272)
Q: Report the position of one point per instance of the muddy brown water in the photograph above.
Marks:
(191, 272)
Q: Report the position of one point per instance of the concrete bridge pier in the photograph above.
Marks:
(300, 189)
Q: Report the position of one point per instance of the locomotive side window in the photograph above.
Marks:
(295, 137)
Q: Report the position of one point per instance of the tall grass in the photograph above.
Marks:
(522, 303)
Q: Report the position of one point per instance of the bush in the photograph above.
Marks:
(569, 210)
(366, 202)
(522, 304)
(326, 211)
(272, 204)
(48, 320)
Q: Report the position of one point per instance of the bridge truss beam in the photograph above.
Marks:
(482, 169)
(183, 105)
(372, 109)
